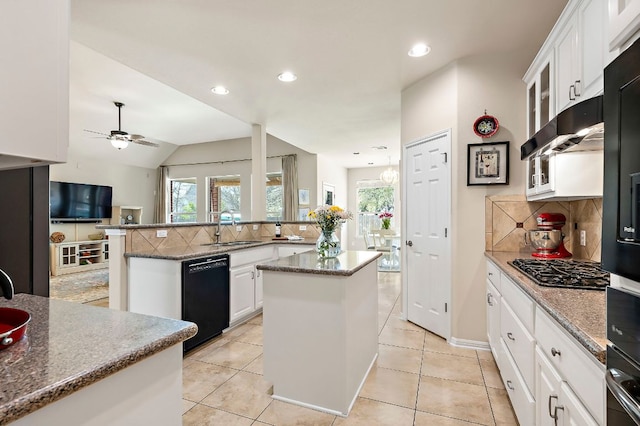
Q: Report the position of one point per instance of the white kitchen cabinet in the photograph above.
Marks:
(242, 292)
(624, 22)
(245, 281)
(522, 400)
(290, 250)
(557, 404)
(34, 82)
(580, 53)
(569, 175)
(582, 375)
(493, 311)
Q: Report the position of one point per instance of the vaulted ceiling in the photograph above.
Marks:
(162, 57)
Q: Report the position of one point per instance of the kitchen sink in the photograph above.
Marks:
(231, 243)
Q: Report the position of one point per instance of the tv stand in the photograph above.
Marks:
(78, 256)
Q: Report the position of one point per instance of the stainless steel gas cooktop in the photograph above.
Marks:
(564, 273)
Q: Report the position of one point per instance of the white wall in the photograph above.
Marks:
(368, 173)
(132, 186)
(233, 157)
(454, 98)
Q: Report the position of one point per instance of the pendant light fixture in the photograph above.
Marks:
(389, 176)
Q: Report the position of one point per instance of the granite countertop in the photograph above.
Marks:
(346, 264)
(68, 346)
(191, 252)
(581, 312)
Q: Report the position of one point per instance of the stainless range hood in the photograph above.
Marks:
(581, 124)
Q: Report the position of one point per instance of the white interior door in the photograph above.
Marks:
(427, 245)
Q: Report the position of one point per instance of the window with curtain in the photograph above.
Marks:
(183, 204)
(373, 197)
(224, 194)
(275, 201)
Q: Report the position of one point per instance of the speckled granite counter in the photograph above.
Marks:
(191, 251)
(69, 346)
(580, 312)
(347, 263)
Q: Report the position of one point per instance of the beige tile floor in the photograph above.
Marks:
(418, 379)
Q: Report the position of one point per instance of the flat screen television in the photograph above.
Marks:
(78, 201)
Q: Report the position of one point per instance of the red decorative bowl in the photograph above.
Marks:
(13, 325)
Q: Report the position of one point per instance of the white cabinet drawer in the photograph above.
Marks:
(520, 342)
(522, 400)
(583, 373)
(493, 274)
(518, 301)
(252, 255)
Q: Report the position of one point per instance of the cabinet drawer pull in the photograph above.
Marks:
(577, 90)
(555, 352)
(555, 414)
(490, 274)
(510, 336)
(572, 91)
(489, 302)
(510, 385)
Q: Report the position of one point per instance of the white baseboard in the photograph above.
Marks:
(469, 344)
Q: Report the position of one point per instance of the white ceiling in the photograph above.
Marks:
(161, 59)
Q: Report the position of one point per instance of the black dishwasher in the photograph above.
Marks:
(205, 297)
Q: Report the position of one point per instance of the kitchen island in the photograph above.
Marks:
(320, 321)
(87, 365)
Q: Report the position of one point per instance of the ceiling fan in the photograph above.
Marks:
(119, 138)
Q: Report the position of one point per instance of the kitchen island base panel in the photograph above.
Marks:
(148, 392)
(320, 336)
(326, 410)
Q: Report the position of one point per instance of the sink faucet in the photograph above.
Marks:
(6, 285)
(233, 222)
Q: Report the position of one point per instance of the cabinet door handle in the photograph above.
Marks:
(555, 352)
(572, 89)
(510, 385)
(555, 414)
(253, 275)
(552, 415)
(577, 89)
(533, 180)
(489, 302)
(510, 336)
(410, 243)
(490, 274)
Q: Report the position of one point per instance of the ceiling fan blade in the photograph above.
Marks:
(97, 133)
(144, 142)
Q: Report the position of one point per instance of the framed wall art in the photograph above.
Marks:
(303, 197)
(488, 163)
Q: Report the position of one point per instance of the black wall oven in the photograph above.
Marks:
(621, 199)
(623, 358)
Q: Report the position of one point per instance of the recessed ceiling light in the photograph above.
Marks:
(370, 163)
(379, 147)
(287, 76)
(418, 50)
(356, 153)
(220, 90)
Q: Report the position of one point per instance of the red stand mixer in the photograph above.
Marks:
(548, 238)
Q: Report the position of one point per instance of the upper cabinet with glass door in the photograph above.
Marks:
(539, 90)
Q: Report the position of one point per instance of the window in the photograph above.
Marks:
(373, 197)
(224, 195)
(183, 200)
(275, 202)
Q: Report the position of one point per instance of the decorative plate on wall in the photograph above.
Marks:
(486, 126)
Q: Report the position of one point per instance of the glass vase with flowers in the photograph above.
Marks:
(329, 218)
(385, 217)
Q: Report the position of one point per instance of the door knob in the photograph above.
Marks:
(410, 243)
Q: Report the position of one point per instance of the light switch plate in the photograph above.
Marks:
(256, 227)
(302, 227)
(238, 228)
(583, 238)
(161, 233)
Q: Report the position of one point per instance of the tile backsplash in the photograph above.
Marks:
(509, 217)
(145, 238)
